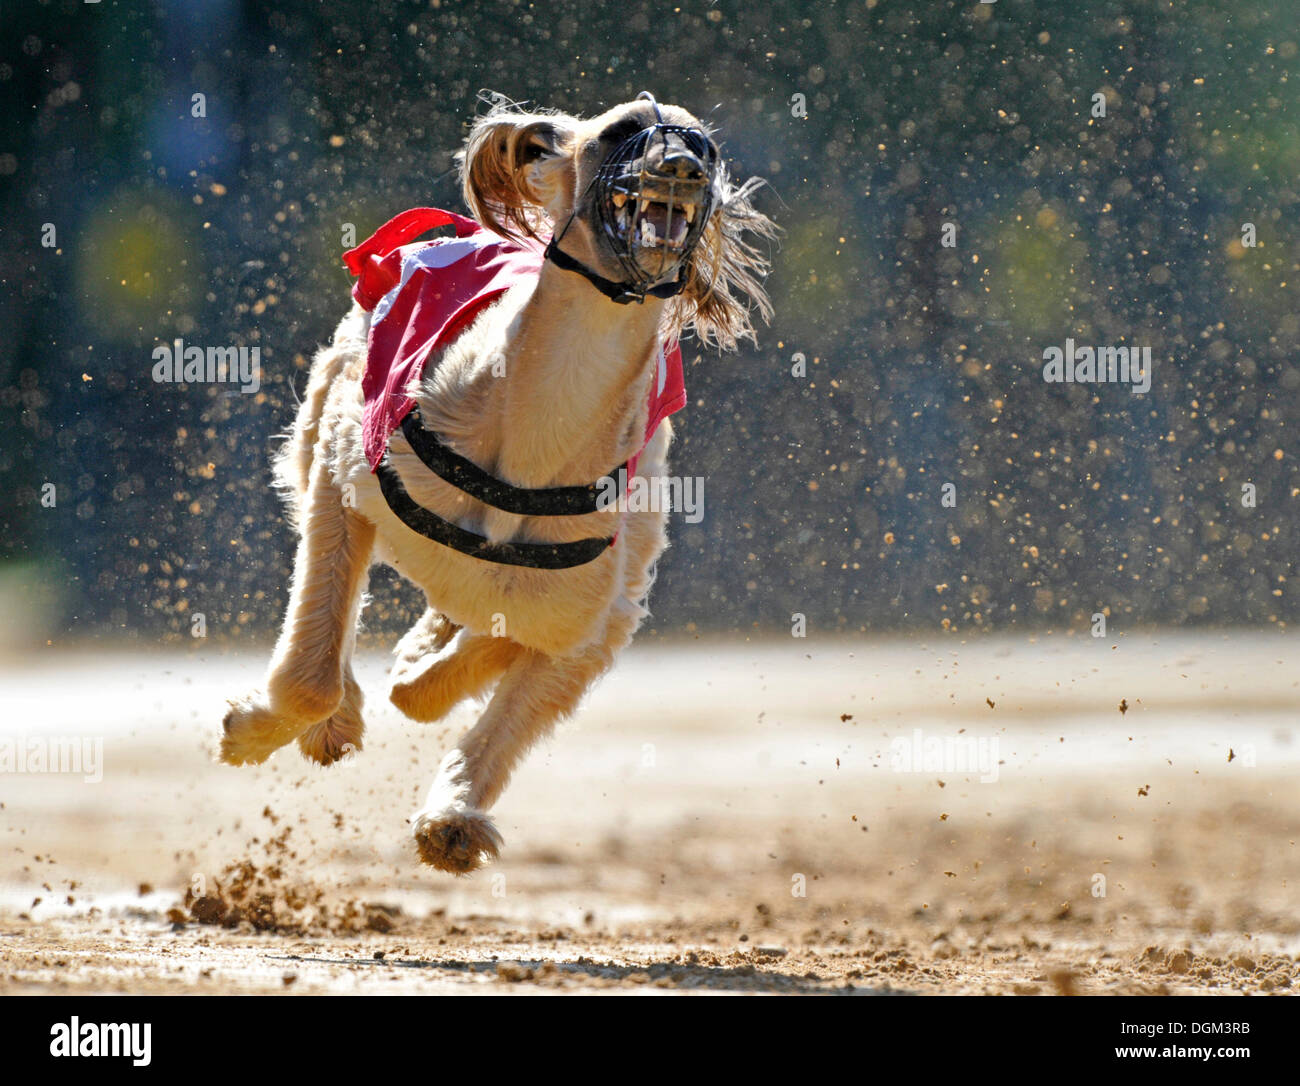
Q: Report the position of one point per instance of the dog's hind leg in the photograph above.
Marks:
(431, 634)
(452, 830)
(306, 683)
(429, 681)
(420, 645)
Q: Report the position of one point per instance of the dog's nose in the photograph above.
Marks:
(682, 165)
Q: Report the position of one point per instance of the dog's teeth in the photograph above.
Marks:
(645, 206)
(620, 198)
(647, 232)
(690, 212)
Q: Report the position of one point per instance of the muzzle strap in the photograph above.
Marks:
(623, 293)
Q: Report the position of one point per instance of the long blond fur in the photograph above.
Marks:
(724, 278)
(489, 167)
(569, 402)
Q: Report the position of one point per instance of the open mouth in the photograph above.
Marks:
(654, 223)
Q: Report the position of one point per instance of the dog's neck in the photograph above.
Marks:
(578, 371)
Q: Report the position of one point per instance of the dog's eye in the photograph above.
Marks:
(532, 153)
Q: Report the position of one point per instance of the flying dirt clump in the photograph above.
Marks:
(263, 898)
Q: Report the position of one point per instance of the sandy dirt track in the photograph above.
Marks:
(661, 840)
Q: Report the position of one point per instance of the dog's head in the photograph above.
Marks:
(639, 194)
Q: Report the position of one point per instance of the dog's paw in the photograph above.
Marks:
(417, 696)
(458, 841)
(427, 691)
(333, 739)
(251, 733)
(338, 735)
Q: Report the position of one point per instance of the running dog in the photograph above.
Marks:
(477, 408)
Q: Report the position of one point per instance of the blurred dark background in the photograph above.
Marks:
(823, 492)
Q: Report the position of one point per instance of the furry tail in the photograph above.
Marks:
(291, 465)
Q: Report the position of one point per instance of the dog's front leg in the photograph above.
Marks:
(326, 741)
(452, 830)
(306, 679)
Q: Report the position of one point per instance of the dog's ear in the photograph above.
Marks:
(507, 167)
(724, 279)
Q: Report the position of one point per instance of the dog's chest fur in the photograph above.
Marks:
(552, 611)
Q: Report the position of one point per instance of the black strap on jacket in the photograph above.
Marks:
(465, 475)
(432, 526)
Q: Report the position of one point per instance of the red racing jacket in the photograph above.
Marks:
(423, 294)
